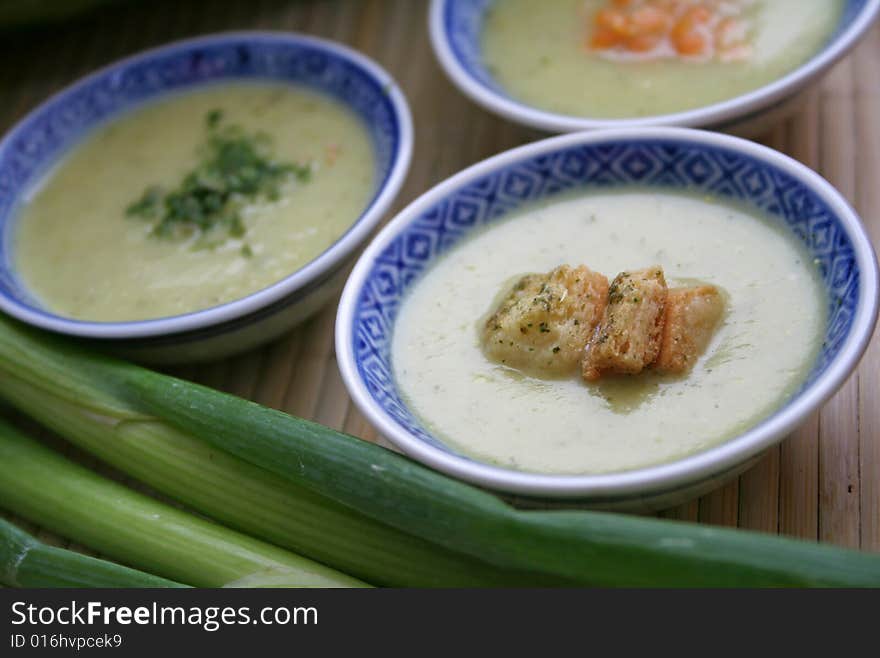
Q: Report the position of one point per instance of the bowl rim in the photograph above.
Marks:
(715, 114)
(649, 480)
(321, 265)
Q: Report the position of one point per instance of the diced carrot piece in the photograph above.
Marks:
(680, 28)
(651, 20)
(604, 38)
(642, 43)
(690, 43)
(698, 14)
(611, 19)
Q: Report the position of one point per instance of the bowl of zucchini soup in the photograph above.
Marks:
(198, 199)
(623, 318)
(730, 65)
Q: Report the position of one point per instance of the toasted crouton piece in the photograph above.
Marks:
(544, 323)
(628, 336)
(692, 314)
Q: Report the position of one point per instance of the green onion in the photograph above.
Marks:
(51, 491)
(591, 548)
(27, 562)
(71, 396)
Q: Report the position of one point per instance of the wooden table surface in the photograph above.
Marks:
(822, 483)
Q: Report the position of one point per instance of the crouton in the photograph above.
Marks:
(627, 338)
(544, 323)
(692, 314)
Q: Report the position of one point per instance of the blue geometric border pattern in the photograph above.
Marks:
(36, 144)
(463, 23)
(653, 163)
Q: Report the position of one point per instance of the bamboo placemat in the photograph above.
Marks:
(822, 483)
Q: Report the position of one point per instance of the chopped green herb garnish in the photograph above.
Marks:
(614, 293)
(237, 168)
(213, 118)
(147, 206)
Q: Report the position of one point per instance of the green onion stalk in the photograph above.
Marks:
(45, 488)
(66, 390)
(25, 561)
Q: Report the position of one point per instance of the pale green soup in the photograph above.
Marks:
(766, 346)
(82, 255)
(538, 56)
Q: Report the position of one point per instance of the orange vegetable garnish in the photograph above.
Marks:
(604, 38)
(642, 43)
(654, 29)
(697, 14)
(689, 42)
(651, 20)
(611, 19)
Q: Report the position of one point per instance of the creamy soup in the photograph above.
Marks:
(566, 57)
(96, 239)
(762, 352)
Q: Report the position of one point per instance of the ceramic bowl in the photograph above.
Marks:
(456, 28)
(45, 135)
(802, 203)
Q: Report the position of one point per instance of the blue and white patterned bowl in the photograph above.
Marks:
(456, 27)
(32, 147)
(723, 166)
